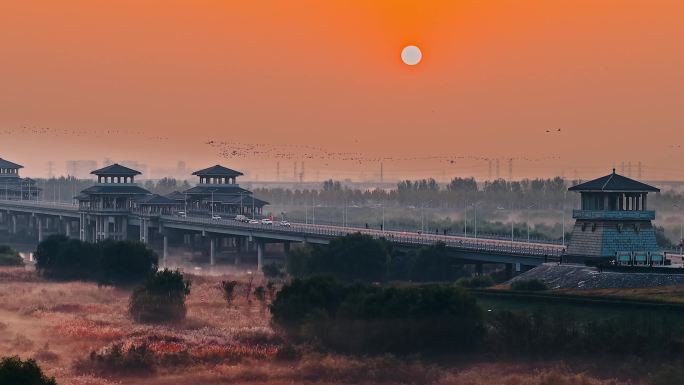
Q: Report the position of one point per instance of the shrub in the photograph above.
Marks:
(667, 376)
(476, 281)
(161, 298)
(272, 270)
(10, 257)
(372, 319)
(529, 285)
(118, 359)
(15, 371)
(228, 290)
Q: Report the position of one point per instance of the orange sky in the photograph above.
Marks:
(154, 80)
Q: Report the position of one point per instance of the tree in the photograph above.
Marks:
(14, 371)
(161, 298)
(353, 257)
(126, 261)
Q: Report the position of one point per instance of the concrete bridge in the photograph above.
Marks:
(40, 219)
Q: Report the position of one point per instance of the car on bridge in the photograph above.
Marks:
(182, 214)
(253, 222)
(284, 224)
(215, 217)
(241, 218)
(266, 221)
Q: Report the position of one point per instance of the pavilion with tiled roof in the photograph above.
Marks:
(613, 223)
(218, 187)
(12, 186)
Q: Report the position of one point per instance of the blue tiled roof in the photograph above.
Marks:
(614, 182)
(116, 170)
(217, 170)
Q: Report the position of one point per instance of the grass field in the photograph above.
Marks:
(72, 328)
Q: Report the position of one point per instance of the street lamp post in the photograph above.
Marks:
(563, 223)
(681, 229)
(465, 220)
(527, 220)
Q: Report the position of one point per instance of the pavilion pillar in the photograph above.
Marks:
(124, 228)
(260, 255)
(105, 225)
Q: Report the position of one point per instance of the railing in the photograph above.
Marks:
(503, 246)
(472, 244)
(614, 215)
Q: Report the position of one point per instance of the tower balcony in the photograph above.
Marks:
(623, 215)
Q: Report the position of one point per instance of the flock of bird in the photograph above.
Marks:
(78, 132)
(234, 150)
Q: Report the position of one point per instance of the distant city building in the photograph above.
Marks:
(613, 223)
(80, 169)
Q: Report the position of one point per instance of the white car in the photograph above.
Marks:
(266, 221)
(215, 217)
(253, 222)
(284, 223)
(181, 214)
(241, 218)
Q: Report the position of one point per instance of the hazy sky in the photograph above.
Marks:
(155, 80)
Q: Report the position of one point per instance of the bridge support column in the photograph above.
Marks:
(39, 224)
(509, 270)
(478, 268)
(286, 248)
(166, 248)
(260, 255)
(212, 247)
(14, 224)
(67, 228)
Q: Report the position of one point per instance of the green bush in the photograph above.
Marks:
(475, 282)
(272, 270)
(529, 285)
(561, 332)
(107, 262)
(161, 299)
(372, 319)
(354, 257)
(10, 257)
(14, 371)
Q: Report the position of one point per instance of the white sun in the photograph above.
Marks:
(411, 55)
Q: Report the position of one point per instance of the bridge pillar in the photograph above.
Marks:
(509, 270)
(14, 224)
(260, 255)
(478, 268)
(286, 248)
(166, 248)
(212, 246)
(39, 224)
(67, 228)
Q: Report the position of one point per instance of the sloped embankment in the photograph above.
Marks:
(584, 277)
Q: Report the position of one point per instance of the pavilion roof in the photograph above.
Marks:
(116, 170)
(116, 188)
(156, 199)
(7, 164)
(217, 170)
(176, 195)
(217, 189)
(614, 183)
